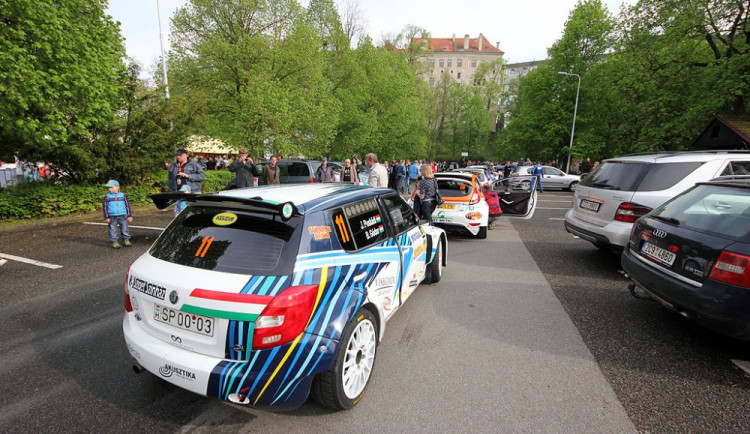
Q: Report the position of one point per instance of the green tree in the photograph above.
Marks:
(256, 70)
(60, 66)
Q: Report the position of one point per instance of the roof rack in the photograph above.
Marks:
(285, 210)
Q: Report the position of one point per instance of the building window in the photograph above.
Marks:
(441, 62)
(432, 81)
(459, 62)
(458, 76)
(473, 63)
(450, 63)
(431, 62)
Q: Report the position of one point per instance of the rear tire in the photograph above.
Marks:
(342, 386)
(482, 234)
(435, 269)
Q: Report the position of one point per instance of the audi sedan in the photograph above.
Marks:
(692, 255)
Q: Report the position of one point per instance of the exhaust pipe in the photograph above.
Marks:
(137, 368)
(640, 296)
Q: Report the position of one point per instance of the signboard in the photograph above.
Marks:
(464, 154)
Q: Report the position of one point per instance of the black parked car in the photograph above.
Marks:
(692, 254)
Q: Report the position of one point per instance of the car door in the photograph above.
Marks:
(516, 201)
(411, 241)
(552, 177)
(372, 252)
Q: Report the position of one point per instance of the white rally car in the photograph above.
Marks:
(259, 296)
(464, 208)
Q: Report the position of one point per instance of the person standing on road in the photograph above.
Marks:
(324, 172)
(117, 214)
(245, 171)
(185, 171)
(413, 175)
(401, 176)
(538, 170)
(348, 174)
(427, 192)
(271, 173)
(378, 173)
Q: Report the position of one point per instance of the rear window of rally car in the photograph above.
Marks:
(213, 239)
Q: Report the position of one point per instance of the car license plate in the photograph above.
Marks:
(587, 204)
(658, 254)
(447, 206)
(191, 322)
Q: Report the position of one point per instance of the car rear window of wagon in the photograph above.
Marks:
(255, 243)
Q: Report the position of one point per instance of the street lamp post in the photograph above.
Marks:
(575, 111)
(161, 43)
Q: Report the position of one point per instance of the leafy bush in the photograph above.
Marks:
(42, 199)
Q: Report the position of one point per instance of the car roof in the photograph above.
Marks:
(672, 157)
(307, 197)
(466, 176)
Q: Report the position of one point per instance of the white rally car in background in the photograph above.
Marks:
(262, 296)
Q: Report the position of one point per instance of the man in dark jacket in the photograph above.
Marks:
(245, 171)
(324, 172)
(185, 171)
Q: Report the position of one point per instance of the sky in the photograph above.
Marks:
(524, 28)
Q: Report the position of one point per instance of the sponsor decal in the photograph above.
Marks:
(385, 281)
(224, 219)
(419, 250)
(320, 232)
(413, 283)
(415, 236)
(238, 348)
(173, 297)
(147, 288)
(387, 303)
(441, 214)
(168, 370)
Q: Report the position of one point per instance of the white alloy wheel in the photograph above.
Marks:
(359, 358)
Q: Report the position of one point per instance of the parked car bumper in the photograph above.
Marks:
(717, 306)
(614, 235)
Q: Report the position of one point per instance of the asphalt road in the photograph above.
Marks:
(496, 346)
(670, 374)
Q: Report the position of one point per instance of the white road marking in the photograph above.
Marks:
(130, 226)
(3, 262)
(30, 261)
(540, 207)
(556, 218)
(556, 201)
(742, 364)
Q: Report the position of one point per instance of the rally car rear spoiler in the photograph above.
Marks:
(285, 210)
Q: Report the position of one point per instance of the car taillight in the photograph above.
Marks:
(128, 305)
(732, 268)
(285, 317)
(474, 198)
(311, 180)
(630, 212)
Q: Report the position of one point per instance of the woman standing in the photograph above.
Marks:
(427, 190)
(349, 174)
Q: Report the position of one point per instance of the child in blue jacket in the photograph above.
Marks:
(117, 212)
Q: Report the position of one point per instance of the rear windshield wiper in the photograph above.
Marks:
(671, 220)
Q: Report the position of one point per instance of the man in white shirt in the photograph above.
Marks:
(378, 173)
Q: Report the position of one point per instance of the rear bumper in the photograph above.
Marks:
(279, 378)
(614, 235)
(714, 305)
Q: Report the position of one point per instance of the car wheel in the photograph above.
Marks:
(435, 269)
(342, 386)
(572, 186)
(525, 185)
(482, 234)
